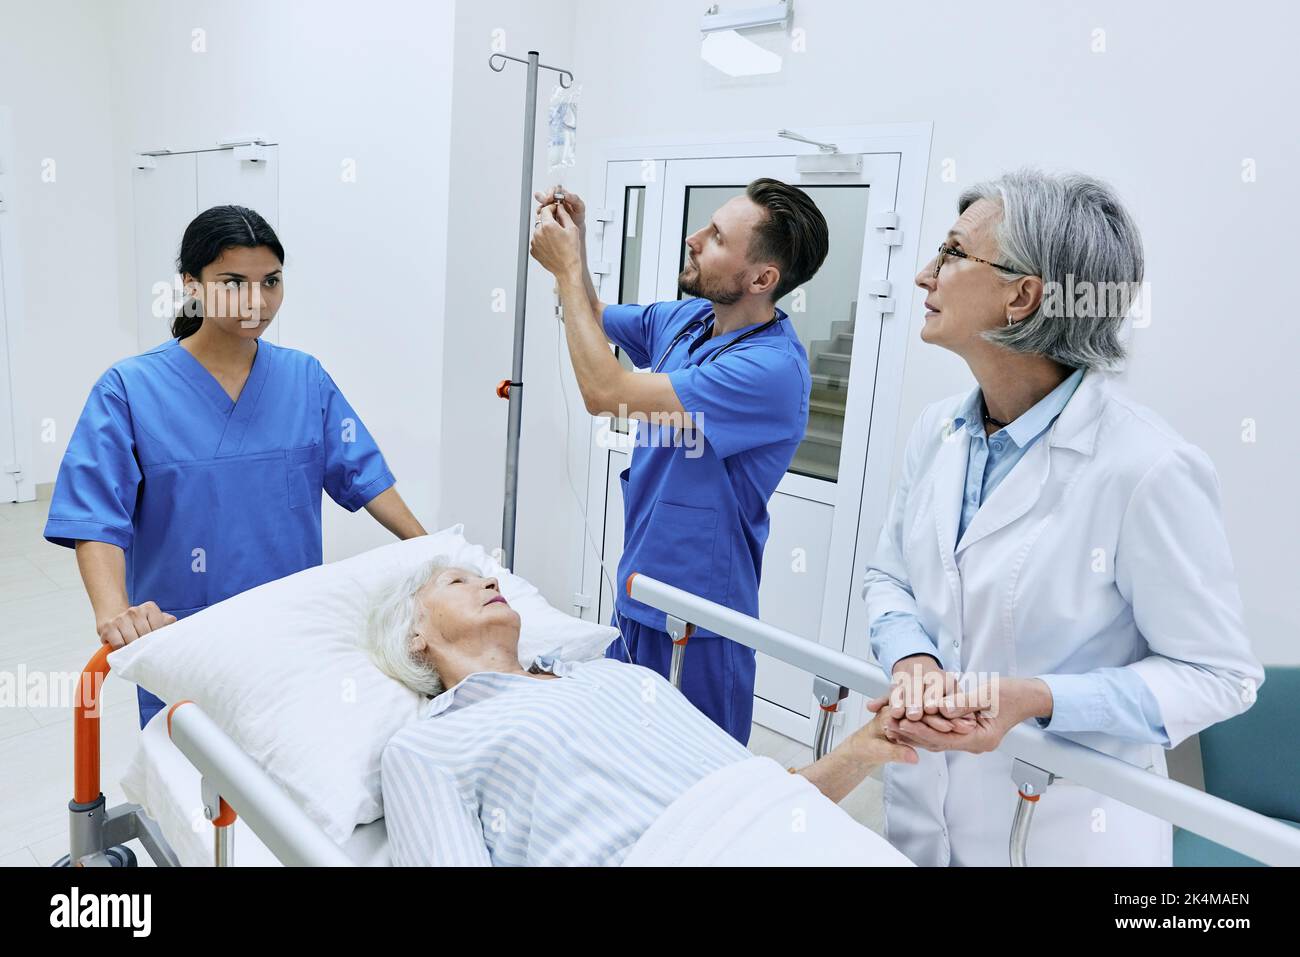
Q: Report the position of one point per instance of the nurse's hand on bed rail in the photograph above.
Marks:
(136, 622)
(103, 572)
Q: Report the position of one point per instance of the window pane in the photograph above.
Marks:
(823, 311)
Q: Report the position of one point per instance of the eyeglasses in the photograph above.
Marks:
(946, 250)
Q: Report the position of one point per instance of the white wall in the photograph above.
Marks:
(330, 81)
(54, 66)
(1181, 95)
(487, 140)
(365, 270)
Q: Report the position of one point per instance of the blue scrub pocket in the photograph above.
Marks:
(681, 537)
(306, 470)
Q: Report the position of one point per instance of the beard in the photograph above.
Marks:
(694, 283)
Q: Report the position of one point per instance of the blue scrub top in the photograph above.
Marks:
(695, 513)
(210, 497)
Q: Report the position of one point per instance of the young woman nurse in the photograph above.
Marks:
(195, 471)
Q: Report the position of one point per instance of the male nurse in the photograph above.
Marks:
(719, 415)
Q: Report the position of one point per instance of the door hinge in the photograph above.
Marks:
(879, 296)
(887, 228)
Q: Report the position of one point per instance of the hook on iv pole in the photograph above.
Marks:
(566, 78)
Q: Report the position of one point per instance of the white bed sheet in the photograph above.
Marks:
(163, 782)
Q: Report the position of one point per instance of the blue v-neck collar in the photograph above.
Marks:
(197, 373)
(239, 412)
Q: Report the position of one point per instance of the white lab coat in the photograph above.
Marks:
(1104, 546)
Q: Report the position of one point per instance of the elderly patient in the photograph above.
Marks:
(559, 764)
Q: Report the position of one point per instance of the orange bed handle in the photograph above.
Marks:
(85, 727)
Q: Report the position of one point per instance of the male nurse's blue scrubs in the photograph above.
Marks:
(695, 513)
(209, 497)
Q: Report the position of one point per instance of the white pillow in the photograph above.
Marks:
(283, 670)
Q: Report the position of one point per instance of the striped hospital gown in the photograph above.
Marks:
(510, 769)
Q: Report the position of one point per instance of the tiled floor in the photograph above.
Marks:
(49, 626)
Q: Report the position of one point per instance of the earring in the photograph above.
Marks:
(1010, 321)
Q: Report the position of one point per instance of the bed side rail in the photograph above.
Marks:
(1255, 835)
(234, 782)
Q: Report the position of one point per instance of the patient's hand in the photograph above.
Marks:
(838, 773)
(871, 745)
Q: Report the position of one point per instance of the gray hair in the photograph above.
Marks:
(391, 626)
(1071, 231)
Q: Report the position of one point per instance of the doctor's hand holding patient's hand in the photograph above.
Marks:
(557, 241)
(1014, 700)
(918, 687)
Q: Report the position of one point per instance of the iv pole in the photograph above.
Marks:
(513, 387)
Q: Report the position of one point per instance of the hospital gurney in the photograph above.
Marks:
(232, 784)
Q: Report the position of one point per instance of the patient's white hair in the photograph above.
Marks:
(392, 625)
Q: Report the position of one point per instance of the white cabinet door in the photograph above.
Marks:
(164, 201)
(166, 198)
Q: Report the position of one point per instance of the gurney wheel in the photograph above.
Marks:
(118, 856)
(121, 856)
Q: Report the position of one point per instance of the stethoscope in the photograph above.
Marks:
(686, 329)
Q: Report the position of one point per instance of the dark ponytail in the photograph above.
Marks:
(212, 232)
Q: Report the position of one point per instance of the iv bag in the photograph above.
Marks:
(562, 121)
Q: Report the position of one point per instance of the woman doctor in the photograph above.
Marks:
(1049, 532)
(195, 471)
